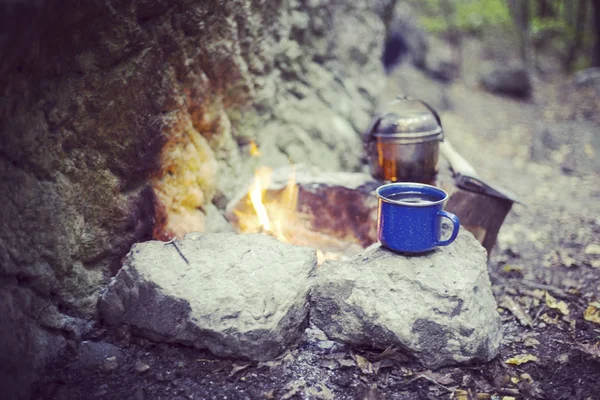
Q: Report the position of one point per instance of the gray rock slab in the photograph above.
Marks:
(438, 306)
(242, 296)
(587, 77)
(98, 355)
(511, 80)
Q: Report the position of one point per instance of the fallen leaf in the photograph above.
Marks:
(340, 355)
(531, 342)
(557, 305)
(550, 259)
(292, 388)
(389, 352)
(484, 396)
(288, 358)
(347, 363)
(591, 349)
(237, 368)
(514, 380)
(141, 366)
(319, 391)
(521, 359)
(437, 378)
(508, 398)
(387, 363)
(538, 293)
(517, 311)
(363, 364)
(269, 364)
(509, 268)
(329, 364)
(592, 313)
(566, 259)
(461, 395)
(563, 358)
(592, 249)
(526, 377)
(548, 319)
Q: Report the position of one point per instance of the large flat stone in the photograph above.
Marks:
(438, 306)
(241, 296)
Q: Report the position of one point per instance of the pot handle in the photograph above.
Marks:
(435, 114)
(368, 135)
(456, 224)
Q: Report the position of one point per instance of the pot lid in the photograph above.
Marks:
(408, 121)
(408, 118)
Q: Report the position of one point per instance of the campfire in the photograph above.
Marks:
(294, 204)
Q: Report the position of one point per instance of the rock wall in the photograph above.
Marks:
(118, 118)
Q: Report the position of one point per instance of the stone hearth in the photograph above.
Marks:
(247, 296)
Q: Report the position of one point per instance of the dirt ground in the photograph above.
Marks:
(545, 272)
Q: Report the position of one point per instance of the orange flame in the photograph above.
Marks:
(274, 212)
(261, 179)
(273, 215)
(254, 151)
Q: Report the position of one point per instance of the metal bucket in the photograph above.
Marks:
(402, 144)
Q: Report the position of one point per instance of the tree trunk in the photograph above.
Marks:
(545, 9)
(575, 47)
(596, 25)
(521, 15)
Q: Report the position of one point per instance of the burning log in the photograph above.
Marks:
(334, 212)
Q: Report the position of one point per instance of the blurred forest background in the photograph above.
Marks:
(566, 30)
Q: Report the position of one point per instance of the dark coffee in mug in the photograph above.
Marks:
(412, 197)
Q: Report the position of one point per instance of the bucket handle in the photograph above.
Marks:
(435, 114)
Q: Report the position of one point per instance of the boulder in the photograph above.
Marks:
(587, 77)
(99, 355)
(438, 306)
(241, 296)
(510, 80)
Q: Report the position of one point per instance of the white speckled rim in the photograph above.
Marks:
(410, 185)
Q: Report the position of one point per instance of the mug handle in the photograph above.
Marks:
(456, 224)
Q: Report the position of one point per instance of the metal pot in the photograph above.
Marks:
(402, 144)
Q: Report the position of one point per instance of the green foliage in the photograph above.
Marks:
(541, 25)
(475, 15)
(466, 15)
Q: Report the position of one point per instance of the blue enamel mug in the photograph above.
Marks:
(409, 217)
